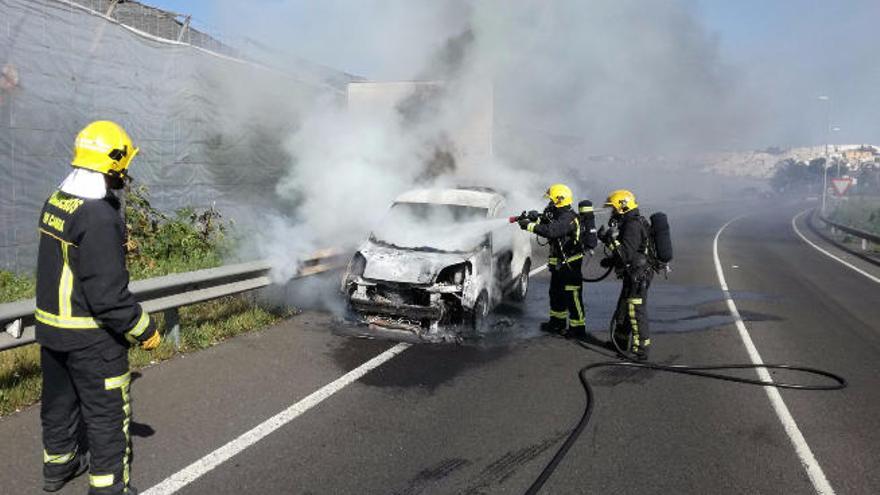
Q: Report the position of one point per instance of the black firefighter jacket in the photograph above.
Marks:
(82, 282)
(631, 244)
(561, 227)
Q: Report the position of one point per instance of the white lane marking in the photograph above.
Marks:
(537, 270)
(204, 465)
(826, 253)
(808, 461)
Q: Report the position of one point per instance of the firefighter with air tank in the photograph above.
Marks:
(561, 226)
(638, 248)
(87, 318)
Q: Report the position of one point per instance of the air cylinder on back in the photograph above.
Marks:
(588, 224)
(661, 236)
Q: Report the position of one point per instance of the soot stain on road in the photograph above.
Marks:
(681, 308)
(431, 475)
(502, 468)
(612, 377)
(764, 433)
(349, 353)
(428, 366)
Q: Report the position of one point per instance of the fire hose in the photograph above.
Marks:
(703, 371)
(600, 277)
(714, 372)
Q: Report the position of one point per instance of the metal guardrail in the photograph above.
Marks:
(169, 293)
(867, 236)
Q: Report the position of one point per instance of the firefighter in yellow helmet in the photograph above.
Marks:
(628, 240)
(560, 225)
(87, 318)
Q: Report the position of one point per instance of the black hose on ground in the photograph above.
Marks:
(704, 371)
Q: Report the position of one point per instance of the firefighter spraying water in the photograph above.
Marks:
(562, 228)
(635, 249)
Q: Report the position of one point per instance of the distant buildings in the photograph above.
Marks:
(861, 155)
(763, 163)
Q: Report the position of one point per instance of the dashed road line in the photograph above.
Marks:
(207, 463)
(825, 252)
(808, 460)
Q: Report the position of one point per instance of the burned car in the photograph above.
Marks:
(438, 263)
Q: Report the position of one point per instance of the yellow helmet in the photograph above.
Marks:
(104, 147)
(621, 201)
(559, 194)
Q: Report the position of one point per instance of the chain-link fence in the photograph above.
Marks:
(157, 22)
(211, 127)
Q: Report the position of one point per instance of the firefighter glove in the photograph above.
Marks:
(152, 342)
(605, 235)
(524, 223)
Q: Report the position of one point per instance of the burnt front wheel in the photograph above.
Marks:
(522, 285)
(478, 316)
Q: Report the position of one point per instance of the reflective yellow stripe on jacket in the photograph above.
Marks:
(139, 327)
(68, 322)
(65, 285)
(65, 318)
(555, 261)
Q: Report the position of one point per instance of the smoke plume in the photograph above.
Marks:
(514, 95)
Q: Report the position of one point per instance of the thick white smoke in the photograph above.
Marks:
(561, 81)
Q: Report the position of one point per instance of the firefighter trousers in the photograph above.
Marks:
(631, 316)
(566, 297)
(87, 388)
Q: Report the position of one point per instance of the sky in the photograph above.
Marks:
(786, 53)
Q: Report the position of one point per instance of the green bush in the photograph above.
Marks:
(158, 244)
(861, 213)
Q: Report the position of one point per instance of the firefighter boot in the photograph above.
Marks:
(554, 325)
(579, 333)
(116, 489)
(56, 476)
(641, 352)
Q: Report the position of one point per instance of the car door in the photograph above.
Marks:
(503, 253)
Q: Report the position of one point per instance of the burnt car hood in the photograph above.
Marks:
(406, 266)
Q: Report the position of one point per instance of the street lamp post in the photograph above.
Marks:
(824, 186)
(827, 139)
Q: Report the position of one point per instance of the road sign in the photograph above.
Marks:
(841, 184)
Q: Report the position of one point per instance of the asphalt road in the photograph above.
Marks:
(486, 417)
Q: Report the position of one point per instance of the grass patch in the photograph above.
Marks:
(15, 287)
(20, 381)
(202, 325)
